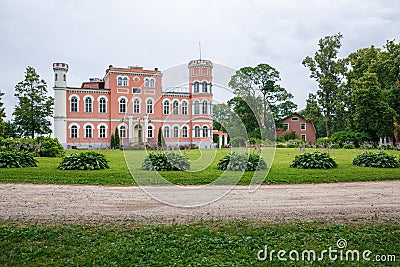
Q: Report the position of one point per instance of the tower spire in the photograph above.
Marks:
(200, 49)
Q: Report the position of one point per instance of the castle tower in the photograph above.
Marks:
(60, 101)
(200, 86)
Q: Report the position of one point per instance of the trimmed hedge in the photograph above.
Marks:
(376, 160)
(84, 161)
(314, 160)
(17, 159)
(242, 162)
(165, 162)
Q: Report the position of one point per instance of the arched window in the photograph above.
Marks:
(122, 131)
(88, 105)
(119, 81)
(56, 76)
(150, 131)
(152, 83)
(184, 108)
(74, 131)
(176, 131)
(146, 82)
(196, 87)
(136, 106)
(149, 106)
(196, 107)
(166, 107)
(125, 81)
(122, 105)
(88, 131)
(64, 77)
(166, 131)
(74, 104)
(204, 87)
(102, 105)
(184, 132)
(175, 107)
(102, 132)
(205, 107)
(205, 131)
(197, 131)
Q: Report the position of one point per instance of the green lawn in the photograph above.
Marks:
(235, 243)
(280, 172)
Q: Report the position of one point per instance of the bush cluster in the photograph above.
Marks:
(40, 146)
(89, 160)
(17, 159)
(165, 162)
(242, 162)
(314, 160)
(377, 160)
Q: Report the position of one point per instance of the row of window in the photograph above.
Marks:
(124, 81)
(302, 126)
(88, 108)
(102, 131)
(204, 87)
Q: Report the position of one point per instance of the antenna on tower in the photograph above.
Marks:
(200, 49)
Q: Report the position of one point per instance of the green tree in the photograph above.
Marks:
(372, 114)
(11, 130)
(112, 141)
(34, 107)
(328, 71)
(2, 115)
(160, 139)
(246, 115)
(261, 83)
(116, 139)
(313, 113)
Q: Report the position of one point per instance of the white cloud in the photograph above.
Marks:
(90, 35)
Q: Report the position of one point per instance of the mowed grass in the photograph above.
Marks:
(207, 243)
(118, 174)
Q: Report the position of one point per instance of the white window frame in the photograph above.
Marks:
(149, 106)
(301, 126)
(136, 105)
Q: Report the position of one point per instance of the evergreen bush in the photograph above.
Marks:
(242, 162)
(89, 160)
(377, 160)
(50, 147)
(314, 160)
(17, 159)
(165, 162)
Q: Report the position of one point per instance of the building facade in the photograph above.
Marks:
(133, 101)
(298, 124)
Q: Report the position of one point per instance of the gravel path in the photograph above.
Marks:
(362, 201)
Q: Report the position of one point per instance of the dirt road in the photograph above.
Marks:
(363, 201)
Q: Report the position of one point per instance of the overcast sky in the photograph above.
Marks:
(89, 35)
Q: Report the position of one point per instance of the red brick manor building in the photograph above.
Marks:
(134, 101)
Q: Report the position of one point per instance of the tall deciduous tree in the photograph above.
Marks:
(372, 114)
(313, 113)
(261, 82)
(34, 107)
(328, 71)
(2, 115)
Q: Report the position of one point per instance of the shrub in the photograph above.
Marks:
(165, 162)
(349, 146)
(280, 145)
(254, 141)
(17, 159)
(314, 160)
(377, 160)
(89, 160)
(290, 136)
(242, 162)
(50, 147)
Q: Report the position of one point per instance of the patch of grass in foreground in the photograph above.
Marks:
(280, 172)
(234, 243)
